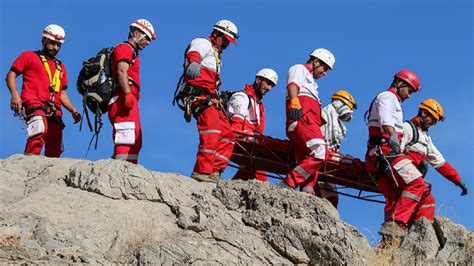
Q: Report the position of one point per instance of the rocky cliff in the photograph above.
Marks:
(108, 211)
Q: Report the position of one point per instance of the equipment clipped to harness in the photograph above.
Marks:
(22, 115)
(194, 105)
(382, 164)
(49, 110)
(192, 100)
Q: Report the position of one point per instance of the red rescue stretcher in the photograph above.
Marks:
(275, 156)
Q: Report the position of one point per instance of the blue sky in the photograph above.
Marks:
(371, 41)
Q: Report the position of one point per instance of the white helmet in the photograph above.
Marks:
(325, 56)
(145, 26)
(228, 28)
(54, 32)
(269, 74)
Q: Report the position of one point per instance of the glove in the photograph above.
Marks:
(194, 70)
(463, 187)
(393, 143)
(129, 101)
(76, 116)
(295, 109)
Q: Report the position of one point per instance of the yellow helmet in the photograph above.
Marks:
(434, 108)
(346, 98)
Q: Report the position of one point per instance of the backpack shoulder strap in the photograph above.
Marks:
(367, 113)
(250, 99)
(416, 136)
(134, 51)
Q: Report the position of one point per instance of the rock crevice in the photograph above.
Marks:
(108, 211)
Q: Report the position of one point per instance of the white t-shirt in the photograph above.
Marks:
(301, 77)
(386, 111)
(208, 57)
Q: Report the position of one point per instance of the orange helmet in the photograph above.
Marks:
(434, 108)
(346, 98)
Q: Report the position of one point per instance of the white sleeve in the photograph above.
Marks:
(386, 107)
(199, 45)
(407, 135)
(296, 75)
(434, 156)
(238, 105)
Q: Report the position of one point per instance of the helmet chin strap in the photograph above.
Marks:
(421, 119)
(316, 67)
(398, 91)
(422, 124)
(398, 87)
(137, 40)
(258, 90)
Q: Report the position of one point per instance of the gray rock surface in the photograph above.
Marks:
(422, 246)
(108, 211)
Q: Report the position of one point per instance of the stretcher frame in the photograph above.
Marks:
(254, 152)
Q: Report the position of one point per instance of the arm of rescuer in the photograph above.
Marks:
(15, 102)
(436, 159)
(386, 106)
(393, 141)
(69, 106)
(237, 109)
(122, 77)
(193, 69)
(295, 106)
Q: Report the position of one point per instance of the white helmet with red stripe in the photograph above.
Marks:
(145, 26)
(228, 28)
(54, 32)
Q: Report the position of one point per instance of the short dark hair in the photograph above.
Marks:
(132, 30)
(217, 33)
(421, 110)
(396, 80)
(311, 59)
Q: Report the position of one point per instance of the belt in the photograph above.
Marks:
(194, 91)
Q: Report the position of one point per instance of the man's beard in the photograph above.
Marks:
(259, 93)
(50, 52)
